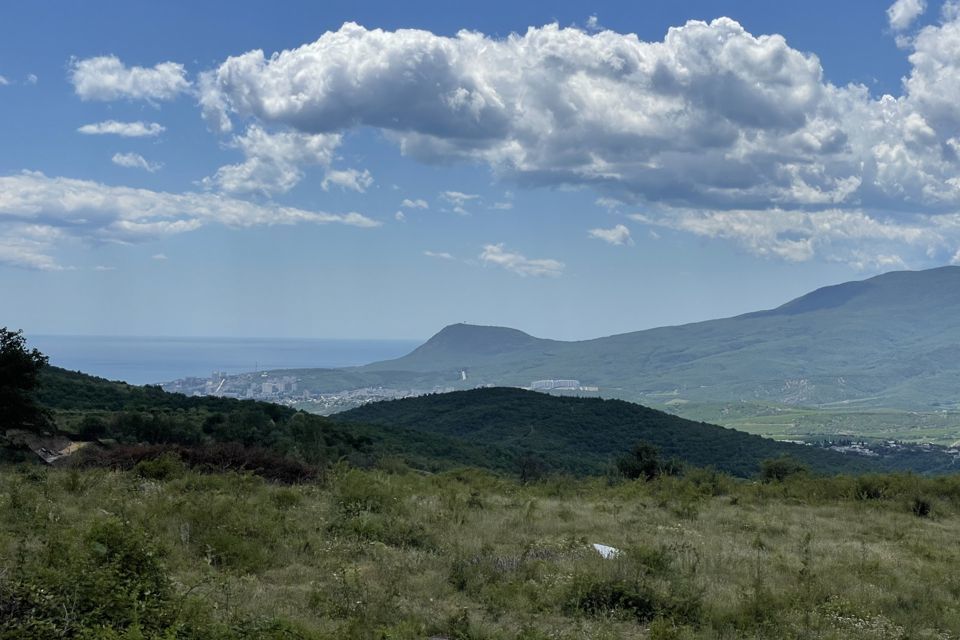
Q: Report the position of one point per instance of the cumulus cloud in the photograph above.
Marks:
(443, 255)
(498, 255)
(618, 235)
(836, 235)
(502, 206)
(273, 161)
(350, 179)
(399, 216)
(704, 128)
(3, 81)
(711, 116)
(902, 13)
(39, 213)
(414, 204)
(126, 129)
(32, 78)
(107, 78)
(135, 161)
(159, 256)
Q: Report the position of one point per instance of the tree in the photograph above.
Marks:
(643, 461)
(779, 469)
(530, 467)
(19, 378)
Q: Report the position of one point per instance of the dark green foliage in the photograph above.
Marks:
(582, 435)
(530, 467)
(19, 379)
(643, 461)
(597, 596)
(779, 469)
(921, 507)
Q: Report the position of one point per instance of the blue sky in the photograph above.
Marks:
(573, 170)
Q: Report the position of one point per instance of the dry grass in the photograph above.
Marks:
(469, 555)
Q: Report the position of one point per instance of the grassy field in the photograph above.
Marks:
(783, 422)
(161, 552)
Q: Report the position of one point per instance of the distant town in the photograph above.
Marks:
(290, 391)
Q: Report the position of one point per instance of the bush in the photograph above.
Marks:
(872, 487)
(164, 467)
(921, 507)
(113, 581)
(643, 461)
(604, 596)
(779, 469)
(213, 458)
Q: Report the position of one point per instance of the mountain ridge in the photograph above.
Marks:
(887, 341)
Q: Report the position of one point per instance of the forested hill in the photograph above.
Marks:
(92, 407)
(486, 428)
(583, 435)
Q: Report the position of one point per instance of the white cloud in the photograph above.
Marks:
(126, 129)
(836, 235)
(32, 78)
(351, 179)
(497, 254)
(135, 161)
(458, 197)
(712, 116)
(3, 81)
(414, 204)
(38, 214)
(273, 160)
(443, 255)
(706, 126)
(902, 13)
(458, 200)
(618, 235)
(399, 216)
(608, 203)
(502, 206)
(101, 267)
(107, 78)
(159, 256)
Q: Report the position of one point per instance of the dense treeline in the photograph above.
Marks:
(584, 435)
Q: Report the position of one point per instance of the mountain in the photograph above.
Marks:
(889, 341)
(584, 435)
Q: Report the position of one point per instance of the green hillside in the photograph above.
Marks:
(92, 407)
(495, 429)
(583, 435)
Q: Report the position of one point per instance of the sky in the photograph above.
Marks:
(381, 170)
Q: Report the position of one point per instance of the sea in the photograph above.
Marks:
(153, 360)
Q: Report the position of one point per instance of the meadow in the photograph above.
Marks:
(161, 551)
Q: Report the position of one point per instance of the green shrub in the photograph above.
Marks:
(164, 467)
(597, 596)
(921, 507)
(112, 580)
(779, 469)
(872, 487)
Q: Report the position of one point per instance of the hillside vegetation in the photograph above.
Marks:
(161, 552)
(583, 435)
